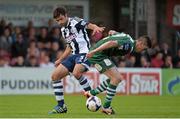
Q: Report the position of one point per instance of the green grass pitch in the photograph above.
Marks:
(37, 106)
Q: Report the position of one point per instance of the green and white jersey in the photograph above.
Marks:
(125, 42)
(102, 59)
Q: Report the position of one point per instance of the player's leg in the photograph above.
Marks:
(101, 88)
(59, 73)
(101, 65)
(80, 67)
(116, 78)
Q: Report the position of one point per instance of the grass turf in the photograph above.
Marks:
(37, 106)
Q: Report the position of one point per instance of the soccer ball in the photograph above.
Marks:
(93, 103)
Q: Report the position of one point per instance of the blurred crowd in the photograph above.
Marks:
(30, 46)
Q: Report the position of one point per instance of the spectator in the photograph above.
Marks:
(43, 40)
(17, 30)
(11, 29)
(2, 26)
(176, 60)
(54, 51)
(19, 62)
(32, 50)
(6, 40)
(26, 29)
(122, 62)
(165, 49)
(138, 57)
(42, 55)
(131, 61)
(157, 61)
(31, 36)
(56, 37)
(144, 62)
(32, 62)
(46, 62)
(19, 48)
(4, 61)
(168, 62)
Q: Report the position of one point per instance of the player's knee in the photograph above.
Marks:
(54, 77)
(120, 78)
(117, 80)
(77, 75)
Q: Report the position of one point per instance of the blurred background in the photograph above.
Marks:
(29, 37)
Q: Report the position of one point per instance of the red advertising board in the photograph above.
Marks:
(144, 83)
(173, 13)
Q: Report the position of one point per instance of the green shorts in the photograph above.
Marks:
(101, 62)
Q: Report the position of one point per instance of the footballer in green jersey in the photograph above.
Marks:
(117, 44)
(101, 59)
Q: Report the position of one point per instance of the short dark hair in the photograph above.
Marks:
(147, 40)
(59, 11)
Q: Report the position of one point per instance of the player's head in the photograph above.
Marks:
(143, 43)
(60, 16)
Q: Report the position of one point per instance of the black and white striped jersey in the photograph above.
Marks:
(76, 35)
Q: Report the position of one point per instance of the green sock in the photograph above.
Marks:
(101, 88)
(111, 91)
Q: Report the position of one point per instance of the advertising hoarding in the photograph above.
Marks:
(171, 81)
(38, 81)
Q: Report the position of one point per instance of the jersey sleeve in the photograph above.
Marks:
(81, 23)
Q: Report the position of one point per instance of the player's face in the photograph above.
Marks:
(62, 20)
(140, 46)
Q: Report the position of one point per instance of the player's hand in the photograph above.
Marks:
(97, 30)
(90, 54)
(112, 32)
(57, 63)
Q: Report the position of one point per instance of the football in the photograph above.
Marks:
(93, 103)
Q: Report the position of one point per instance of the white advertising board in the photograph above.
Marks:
(38, 81)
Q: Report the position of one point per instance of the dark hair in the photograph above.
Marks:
(147, 41)
(59, 11)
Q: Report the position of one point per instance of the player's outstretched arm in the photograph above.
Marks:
(95, 28)
(64, 55)
(107, 45)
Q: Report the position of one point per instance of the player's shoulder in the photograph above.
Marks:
(121, 36)
(75, 19)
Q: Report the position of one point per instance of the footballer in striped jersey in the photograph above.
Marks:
(73, 60)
